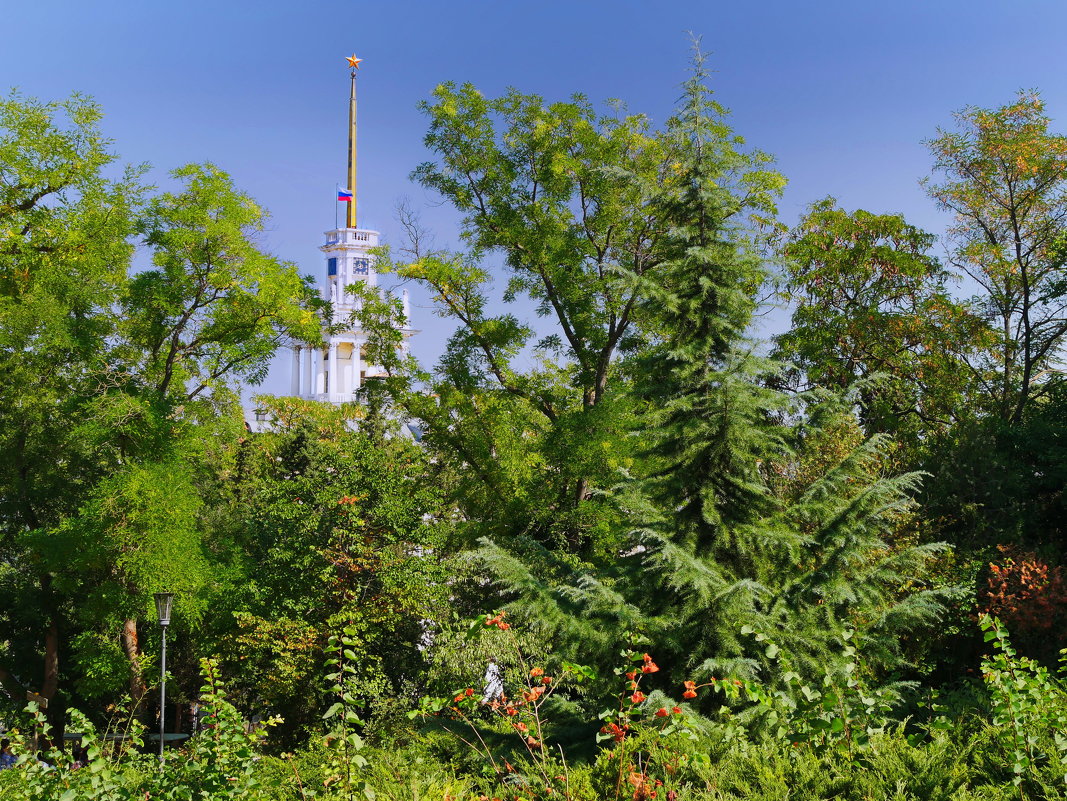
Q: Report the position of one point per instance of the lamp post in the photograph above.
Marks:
(164, 601)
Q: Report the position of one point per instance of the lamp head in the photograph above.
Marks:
(164, 602)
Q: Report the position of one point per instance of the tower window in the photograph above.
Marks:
(331, 266)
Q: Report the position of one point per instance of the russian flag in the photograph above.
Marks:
(344, 196)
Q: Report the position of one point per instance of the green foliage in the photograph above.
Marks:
(216, 307)
(869, 300)
(999, 483)
(558, 190)
(1029, 709)
(221, 759)
(343, 742)
(729, 525)
(324, 525)
(120, 393)
(839, 713)
(1005, 182)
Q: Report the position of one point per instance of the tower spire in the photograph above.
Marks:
(350, 214)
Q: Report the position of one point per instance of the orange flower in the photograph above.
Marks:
(520, 726)
(676, 710)
(537, 671)
(637, 697)
(546, 680)
(631, 675)
(689, 685)
(661, 712)
(469, 692)
(646, 657)
(689, 694)
(651, 667)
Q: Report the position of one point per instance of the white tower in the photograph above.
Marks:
(334, 374)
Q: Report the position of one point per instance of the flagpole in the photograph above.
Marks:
(350, 212)
(336, 223)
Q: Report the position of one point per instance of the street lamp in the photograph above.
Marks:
(164, 601)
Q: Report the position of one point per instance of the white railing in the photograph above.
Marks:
(333, 397)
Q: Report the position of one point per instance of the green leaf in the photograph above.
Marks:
(333, 710)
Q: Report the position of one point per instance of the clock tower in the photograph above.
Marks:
(334, 374)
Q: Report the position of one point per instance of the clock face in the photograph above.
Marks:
(361, 266)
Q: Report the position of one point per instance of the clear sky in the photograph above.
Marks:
(842, 93)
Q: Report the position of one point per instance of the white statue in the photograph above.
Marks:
(494, 682)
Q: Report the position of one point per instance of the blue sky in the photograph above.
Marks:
(841, 93)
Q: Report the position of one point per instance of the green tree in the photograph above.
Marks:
(64, 250)
(739, 520)
(870, 301)
(741, 531)
(555, 190)
(1005, 180)
(326, 525)
(118, 383)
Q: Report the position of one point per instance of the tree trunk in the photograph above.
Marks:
(581, 492)
(55, 711)
(50, 680)
(131, 644)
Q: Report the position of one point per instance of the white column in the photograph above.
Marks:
(309, 375)
(334, 377)
(407, 309)
(295, 384)
(320, 373)
(346, 373)
(357, 365)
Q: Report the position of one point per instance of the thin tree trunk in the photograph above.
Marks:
(55, 711)
(50, 679)
(131, 644)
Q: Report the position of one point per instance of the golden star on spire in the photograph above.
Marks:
(353, 62)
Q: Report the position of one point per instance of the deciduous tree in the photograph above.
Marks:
(869, 300)
(1004, 177)
(115, 381)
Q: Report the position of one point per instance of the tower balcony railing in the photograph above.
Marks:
(348, 236)
(333, 397)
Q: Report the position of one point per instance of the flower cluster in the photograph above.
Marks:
(619, 723)
(1026, 592)
(644, 786)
